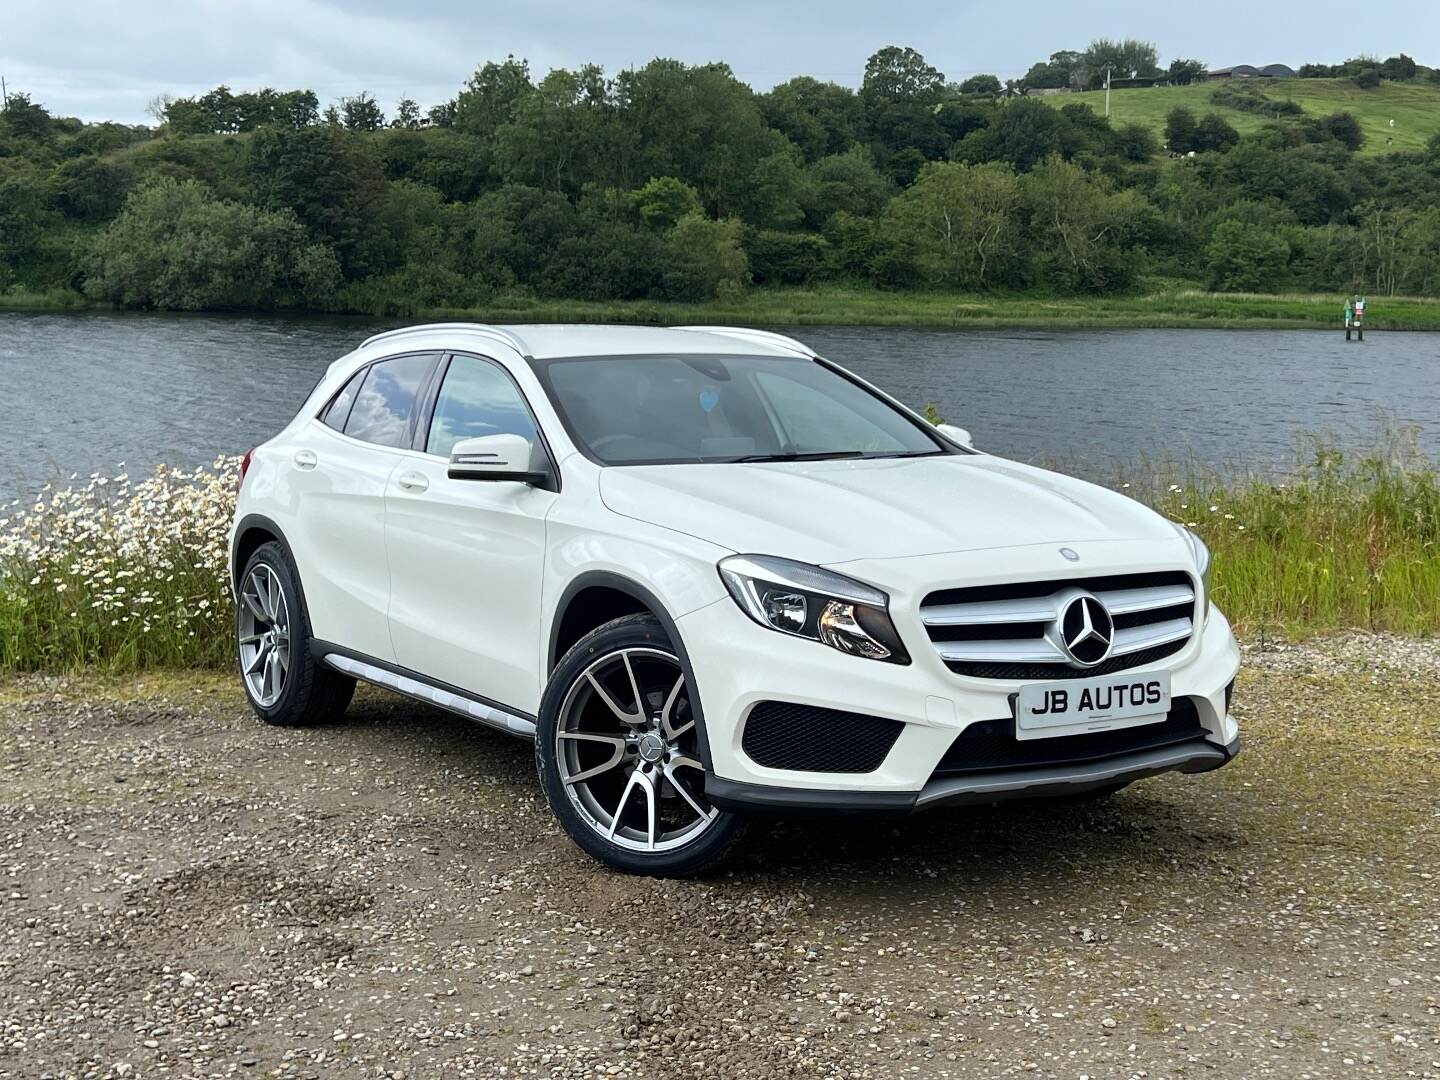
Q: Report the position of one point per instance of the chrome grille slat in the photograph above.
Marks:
(995, 635)
(1022, 651)
(1134, 638)
(1129, 601)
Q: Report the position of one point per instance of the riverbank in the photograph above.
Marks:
(1182, 309)
(189, 891)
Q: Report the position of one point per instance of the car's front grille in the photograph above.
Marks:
(1012, 631)
(781, 735)
(991, 746)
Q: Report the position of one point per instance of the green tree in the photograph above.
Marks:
(1214, 133)
(1180, 130)
(176, 246)
(849, 182)
(1078, 228)
(1245, 258)
(22, 118)
(957, 226)
(361, 113)
(899, 96)
(663, 200)
(705, 259)
(981, 84)
(820, 118)
(1127, 59)
(1026, 132)
(407, 113)
(492, 97)
(1184, 72)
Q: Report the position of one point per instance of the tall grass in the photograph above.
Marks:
(1338, 541)
(126, 576)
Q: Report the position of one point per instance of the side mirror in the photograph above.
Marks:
(956, 434)
(495, 457)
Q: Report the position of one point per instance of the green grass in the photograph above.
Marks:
(1172, 307)
(1415, 107)
(1337, 542)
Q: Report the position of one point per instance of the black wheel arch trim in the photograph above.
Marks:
(610, 580)
(260, 521)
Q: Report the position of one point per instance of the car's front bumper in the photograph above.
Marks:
(737, 664)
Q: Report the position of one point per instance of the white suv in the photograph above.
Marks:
(714, 576)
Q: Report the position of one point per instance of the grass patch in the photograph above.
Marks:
(1174, 307)
(1337, 542)
(1414, 106)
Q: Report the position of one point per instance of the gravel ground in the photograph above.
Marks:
(185, 891)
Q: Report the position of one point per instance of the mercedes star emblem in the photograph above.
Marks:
(1086, 631)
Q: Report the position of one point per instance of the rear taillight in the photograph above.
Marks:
(244, 468)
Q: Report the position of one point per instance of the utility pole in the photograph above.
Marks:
(4, 94)
(1107, 91)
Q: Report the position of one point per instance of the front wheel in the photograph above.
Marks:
(617, 748)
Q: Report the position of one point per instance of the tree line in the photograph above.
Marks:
(680, 182)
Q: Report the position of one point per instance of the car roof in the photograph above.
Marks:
(543, 341)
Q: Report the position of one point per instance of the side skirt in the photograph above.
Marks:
(416, 686)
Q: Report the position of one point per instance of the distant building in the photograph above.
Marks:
(1047, 91)
(1249, 71)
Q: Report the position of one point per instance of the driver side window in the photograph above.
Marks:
(477, 398)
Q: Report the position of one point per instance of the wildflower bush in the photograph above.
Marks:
(123, 576)
(119, 575)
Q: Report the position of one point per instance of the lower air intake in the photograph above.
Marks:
(805, 738)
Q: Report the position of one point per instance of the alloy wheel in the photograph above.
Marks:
(264, 636)
(626, 750)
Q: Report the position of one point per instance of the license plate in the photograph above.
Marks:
(1044, 710)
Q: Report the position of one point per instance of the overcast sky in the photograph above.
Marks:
(106, 60)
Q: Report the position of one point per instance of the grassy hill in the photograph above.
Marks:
(1415, 107)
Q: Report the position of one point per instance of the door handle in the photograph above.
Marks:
(412, 481)
(305, 459)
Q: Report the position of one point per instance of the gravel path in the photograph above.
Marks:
(184, 891)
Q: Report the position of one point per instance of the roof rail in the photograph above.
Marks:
(766, 337)
(495, 333)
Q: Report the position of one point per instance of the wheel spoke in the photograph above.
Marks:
(625, 717)
(258, 661)
(251, 639)
(667, 714)
(272, 586)
(684, 761)
(637, 697)
(252, 601)
(268, 678)
(617, 753)
(638, 779)
(684, 792)
(282, 660)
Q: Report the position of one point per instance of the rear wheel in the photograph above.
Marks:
(284, 683)
(617, 749)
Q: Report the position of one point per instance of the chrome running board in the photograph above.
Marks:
(489, 715)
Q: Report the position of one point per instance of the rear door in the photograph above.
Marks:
(339, 471)
(466, 556)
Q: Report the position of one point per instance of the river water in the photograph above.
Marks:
(85, 392)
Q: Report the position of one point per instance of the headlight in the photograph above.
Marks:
(1202, 567)
(806, 601)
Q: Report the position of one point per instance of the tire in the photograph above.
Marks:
(616, 747)
(305, 691)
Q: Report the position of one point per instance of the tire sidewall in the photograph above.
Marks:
(704, 851)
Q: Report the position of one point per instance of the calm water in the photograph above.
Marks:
(85, 392)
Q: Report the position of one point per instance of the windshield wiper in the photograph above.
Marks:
(792, 455)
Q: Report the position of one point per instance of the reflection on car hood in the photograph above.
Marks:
(836, 511)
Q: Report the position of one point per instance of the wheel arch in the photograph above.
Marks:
(598, 593)
(251, 532)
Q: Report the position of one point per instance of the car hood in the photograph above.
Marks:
(836, 511)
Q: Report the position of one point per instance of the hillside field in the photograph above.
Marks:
(1415, 107)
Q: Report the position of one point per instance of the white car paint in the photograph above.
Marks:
(460, 583)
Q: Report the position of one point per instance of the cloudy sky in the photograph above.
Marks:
(106, 60)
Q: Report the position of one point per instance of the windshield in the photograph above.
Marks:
(650, 410)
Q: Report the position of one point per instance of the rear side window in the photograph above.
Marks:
(382, 408)
(338, 411)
